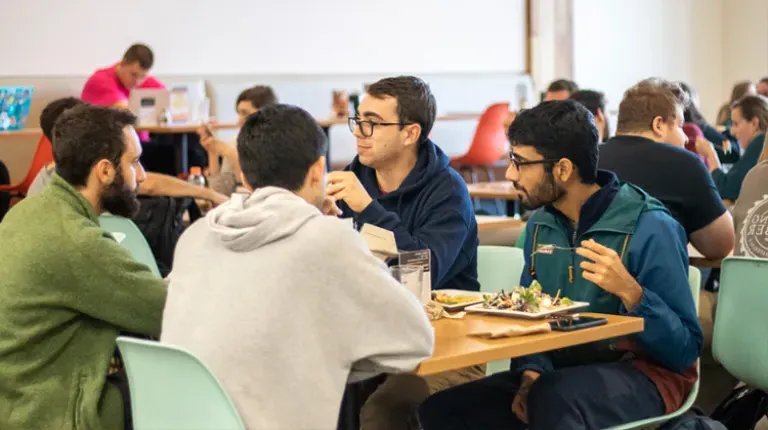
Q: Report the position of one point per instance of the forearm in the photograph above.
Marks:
(157, 184)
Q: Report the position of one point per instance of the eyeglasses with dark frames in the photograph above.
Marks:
(520, 163)
(366, 126)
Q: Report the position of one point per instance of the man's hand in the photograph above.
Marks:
(207, 139)
(707, 150)
(345, 186)
(215, 197)
(329, 207)
(608, 272)
(520, 402)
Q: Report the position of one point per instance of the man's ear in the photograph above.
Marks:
(413, 132)
(104, 170)
(657, 126)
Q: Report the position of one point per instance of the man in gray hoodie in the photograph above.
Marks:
(286, 305)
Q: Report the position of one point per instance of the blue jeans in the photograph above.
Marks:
(593, 396)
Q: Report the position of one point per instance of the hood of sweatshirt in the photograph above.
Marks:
(270, 214)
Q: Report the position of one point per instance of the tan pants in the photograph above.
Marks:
(394, 405)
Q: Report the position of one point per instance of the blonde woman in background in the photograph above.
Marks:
(224, 176)
(740, 89)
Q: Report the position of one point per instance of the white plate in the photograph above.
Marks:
(454, 308)
(478, 308)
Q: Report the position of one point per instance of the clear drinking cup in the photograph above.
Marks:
(411, 278)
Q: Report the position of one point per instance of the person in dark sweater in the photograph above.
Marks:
(630, 259)
(401, 181)
(750, 121)
(648, 151)
(594, 101)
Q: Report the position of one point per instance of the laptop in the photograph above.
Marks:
(149, 104)
(14, 107)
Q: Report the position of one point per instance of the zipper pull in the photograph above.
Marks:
(570, 274)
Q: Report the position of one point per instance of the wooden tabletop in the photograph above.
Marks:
(504, 190)
(696, 259)
(27, 132)
(454, 349)
(497, 222)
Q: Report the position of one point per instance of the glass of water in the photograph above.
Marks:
(411, 277)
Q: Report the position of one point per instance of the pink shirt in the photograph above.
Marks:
(103, 88)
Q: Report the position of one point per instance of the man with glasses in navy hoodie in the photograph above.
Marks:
(401, 181)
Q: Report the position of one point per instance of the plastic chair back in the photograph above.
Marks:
(172, 390)
(128, 235)
(694, 279)
(490, 141)
(498, 268)
(737, 341)
(43, 155)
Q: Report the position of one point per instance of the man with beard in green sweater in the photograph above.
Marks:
(68, 289)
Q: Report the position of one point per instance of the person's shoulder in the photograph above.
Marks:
(329, 233)
(101, 75)
(152, 82)
(659, 225)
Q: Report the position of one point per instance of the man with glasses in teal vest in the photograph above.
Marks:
(592, 239)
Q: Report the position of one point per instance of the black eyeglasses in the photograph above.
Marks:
(520, 163)
(366, 126)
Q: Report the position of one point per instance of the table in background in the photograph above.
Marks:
(497, 222)
(504, 190)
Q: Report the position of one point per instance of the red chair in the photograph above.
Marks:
(488, 145)
(43, 155)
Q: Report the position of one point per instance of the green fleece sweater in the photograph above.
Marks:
(67, 290)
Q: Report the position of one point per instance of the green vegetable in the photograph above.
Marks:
(535, 286)
(565, 301)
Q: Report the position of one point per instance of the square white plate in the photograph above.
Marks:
(458, 307)
(478, 308)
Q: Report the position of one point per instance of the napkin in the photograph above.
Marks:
(435, 311)
(513, 331)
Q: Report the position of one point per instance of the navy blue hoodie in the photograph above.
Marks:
(430, 210)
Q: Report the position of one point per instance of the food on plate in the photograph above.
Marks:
(523, 299)
(454, 299)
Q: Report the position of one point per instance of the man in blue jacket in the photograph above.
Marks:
(599, 241)
(401, 181)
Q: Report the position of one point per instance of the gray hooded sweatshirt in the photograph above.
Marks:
(286, 306)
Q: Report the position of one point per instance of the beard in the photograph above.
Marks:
(119, 200)
(546, 193)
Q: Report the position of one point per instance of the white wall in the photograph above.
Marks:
(617, 43)
(745, 30)
(204, 37)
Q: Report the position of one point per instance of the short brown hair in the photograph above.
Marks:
(415, 102)
(752, 107)
(259, 96)
(646, 100)
(139, 53)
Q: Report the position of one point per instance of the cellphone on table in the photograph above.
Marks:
(577, 322)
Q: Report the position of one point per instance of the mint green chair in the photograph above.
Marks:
(172, 390)
(498, 268)
(737, 342)
(694, 279)
(129, 236)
